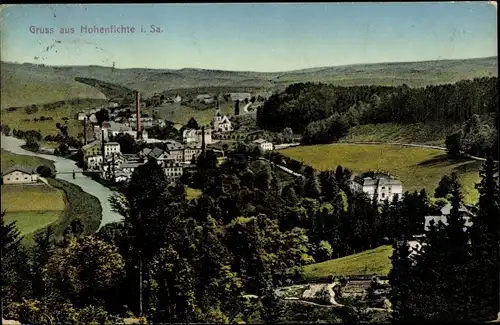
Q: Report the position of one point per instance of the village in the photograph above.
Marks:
(103, 155)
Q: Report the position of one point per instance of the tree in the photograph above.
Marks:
(323, 251)
(127, 143)
(14, 269)
(401, 281)
(102, 115)
(445, 186)
(44, 171)
(44, 245)
(192, 124)
(453, 144)
(484, 237)
(237, 107)
(32, 144)
(83, 270)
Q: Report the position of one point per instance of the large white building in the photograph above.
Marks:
(111, 148)
(221, 123)
(386, 186)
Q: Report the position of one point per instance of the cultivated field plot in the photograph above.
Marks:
(31, 197)
(30, 221)
(417, 168)
(32, 206)
(371, 262)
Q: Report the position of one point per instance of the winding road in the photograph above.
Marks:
(88, 185)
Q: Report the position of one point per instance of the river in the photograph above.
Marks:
(62, 164)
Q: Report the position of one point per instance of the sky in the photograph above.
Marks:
(248, 37)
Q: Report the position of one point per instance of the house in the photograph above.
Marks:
(94, 162)
(385, 185)
(158, 154)
(129, 167)
(177, 99)
(192, 136)
(175, 151)
(445, 212)
(19, 174)
(221, 123)
(93, 148)
(111, 148)
(191, 151)
(81, 116)
(113, 104)
(134, 158)
(264, 144)
(173, 171)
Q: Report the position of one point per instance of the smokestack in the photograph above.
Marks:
(138, 113)
(84, 131)
(203, 141)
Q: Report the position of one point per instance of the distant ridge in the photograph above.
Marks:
(188, 69)
(21, 83)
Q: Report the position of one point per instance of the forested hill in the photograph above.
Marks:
(323, 113)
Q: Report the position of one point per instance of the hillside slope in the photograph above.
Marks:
(152, 81)
(26, 85)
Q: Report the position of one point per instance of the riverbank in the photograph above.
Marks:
(102, 193)
(80, 206)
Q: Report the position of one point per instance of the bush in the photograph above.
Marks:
(32, 145)
(323, 251)
(44, 171)
(31, 109)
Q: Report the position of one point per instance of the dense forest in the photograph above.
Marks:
(199, 260)
(323, 113)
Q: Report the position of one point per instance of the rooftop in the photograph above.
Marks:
(21, 168)
(91, 144)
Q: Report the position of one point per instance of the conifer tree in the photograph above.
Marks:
(484, 233)
(400, 279)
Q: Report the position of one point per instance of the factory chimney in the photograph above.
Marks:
(84, 131)
(203, 149)
(138, 114)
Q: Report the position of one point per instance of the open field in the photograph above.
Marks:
(371, 262)
(27, 197)
(32, 206)
(417, 168)
(10, 159)
(30, 221)
(431, 133)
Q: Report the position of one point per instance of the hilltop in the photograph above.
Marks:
(23, 84)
